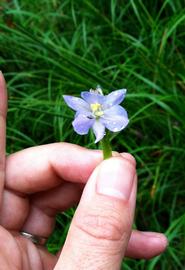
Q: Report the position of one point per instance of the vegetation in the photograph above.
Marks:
(51, 48)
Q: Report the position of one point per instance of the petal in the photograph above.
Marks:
(91, 97)
(114, 98)
(82, 124)
(84, 113)
(115, 118)
(99, 130)
(77, 104)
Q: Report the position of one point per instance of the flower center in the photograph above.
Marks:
(96, 109)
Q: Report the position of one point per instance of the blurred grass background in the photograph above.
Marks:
(51, 47)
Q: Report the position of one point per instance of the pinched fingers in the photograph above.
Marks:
(47, 170)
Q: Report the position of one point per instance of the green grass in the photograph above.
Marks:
(50, 48)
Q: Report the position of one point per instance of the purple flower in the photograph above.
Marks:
(96, 111)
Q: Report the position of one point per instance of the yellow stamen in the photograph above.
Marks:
(96, 109)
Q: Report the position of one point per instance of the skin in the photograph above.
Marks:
(39, 182)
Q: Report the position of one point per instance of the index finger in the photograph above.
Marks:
(44, 167)
(3, 111)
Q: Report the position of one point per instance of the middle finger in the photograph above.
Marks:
(36, 213)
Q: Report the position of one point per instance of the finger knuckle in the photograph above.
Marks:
(104, 225)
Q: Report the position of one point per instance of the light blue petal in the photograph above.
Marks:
(114, 98)
(99, 130)
(77, 104)
(115, 118)
(85, 113)
(91, 97)
(82, 124)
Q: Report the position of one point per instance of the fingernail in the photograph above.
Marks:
(162, 238)
(152, 234)
(115, 178)
(129, 157)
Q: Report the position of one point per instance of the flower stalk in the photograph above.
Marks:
(106, 147)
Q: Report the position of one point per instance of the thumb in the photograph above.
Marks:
(101, 228)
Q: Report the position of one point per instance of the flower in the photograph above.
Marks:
(96, 111)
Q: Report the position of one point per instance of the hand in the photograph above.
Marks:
(44, 180)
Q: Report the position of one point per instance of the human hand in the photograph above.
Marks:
(44, 180)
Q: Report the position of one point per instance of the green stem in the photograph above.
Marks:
(106, 147)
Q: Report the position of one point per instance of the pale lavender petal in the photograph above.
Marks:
(84, 113)
(99, 130)
(77, 104)
(91, 97)
(82, 124)
(114, 98)
(115, 118)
